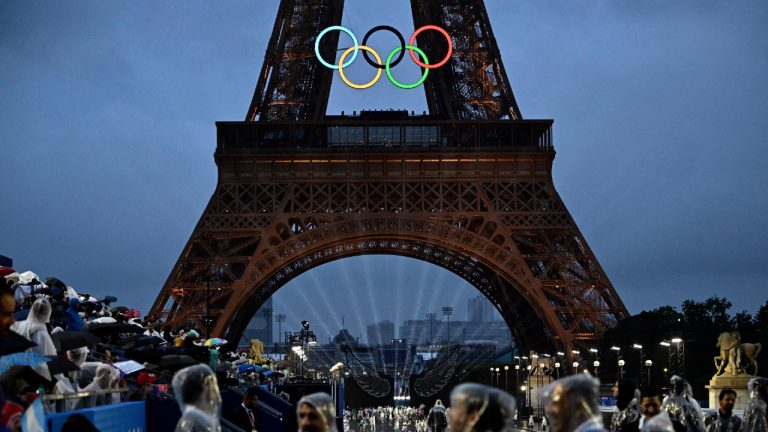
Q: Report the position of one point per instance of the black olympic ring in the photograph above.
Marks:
(389, 29)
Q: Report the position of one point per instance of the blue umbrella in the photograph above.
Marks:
(243, 368)
(27, 358)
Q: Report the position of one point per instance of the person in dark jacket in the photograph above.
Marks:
(437, 419)
(244, 415)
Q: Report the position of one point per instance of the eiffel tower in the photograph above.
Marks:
(467, 187)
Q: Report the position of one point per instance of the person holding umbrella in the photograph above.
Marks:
(214, 358)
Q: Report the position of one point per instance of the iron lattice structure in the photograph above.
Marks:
(473, 85)
(292, 84)
(458, 188)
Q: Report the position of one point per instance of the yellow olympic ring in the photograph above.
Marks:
(341, 68)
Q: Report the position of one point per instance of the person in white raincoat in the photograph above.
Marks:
(197, 392)
(34, 329)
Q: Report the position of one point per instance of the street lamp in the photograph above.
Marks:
(211, 276)
(648, 364)
(280, 319)
(506, 378)
(497, 377)
(448, 311)
(679, 356)
(668, 346)
(618, 358)
(557, 368)
(491, 376)
(621, 368)
(596, 364)
(640, 348)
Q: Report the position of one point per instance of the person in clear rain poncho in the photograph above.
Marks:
(756, 414)
(106, 377)
(316, 413)
(197, 392)
(479, 408)
(682, 407)
(571, 404)
(34, 327)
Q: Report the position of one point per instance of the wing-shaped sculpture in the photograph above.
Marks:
(436, 378)
(366, 377)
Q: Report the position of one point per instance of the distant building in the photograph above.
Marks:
(381, 333)
(480, 309)
(418, 332)
(260, 326)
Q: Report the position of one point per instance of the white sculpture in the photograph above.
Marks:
(732, 352)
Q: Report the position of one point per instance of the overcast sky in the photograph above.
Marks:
(107, 137)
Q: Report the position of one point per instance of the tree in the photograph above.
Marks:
(744, 324)
(761, 318)
(712, 313)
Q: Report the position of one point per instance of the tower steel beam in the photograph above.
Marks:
(473, 85)
(292, 84)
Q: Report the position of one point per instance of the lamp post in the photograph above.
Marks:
(498, 374)
(506, 378)
(648, 364)
(576, 358)
(680, 354)
(491, 376)
(621, 368)
(618, 359)
(642, 358)
(595, 357)
(557, 368)
(280, 319)
(668, 346)
(596, 365)
(448, 311)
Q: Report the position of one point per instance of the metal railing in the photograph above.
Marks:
(391, 135)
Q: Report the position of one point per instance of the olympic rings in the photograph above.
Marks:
(387, 65)
(396, 82)
(341, 68)
(392, 30)
(341, 29)
(447, 37)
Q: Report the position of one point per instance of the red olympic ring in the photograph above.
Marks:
(447, 56)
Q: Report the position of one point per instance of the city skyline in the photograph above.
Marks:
(357, 324)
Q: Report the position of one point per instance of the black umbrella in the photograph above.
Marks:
(58, 288)
(23, 373)
(143, 356)
(104, 329)
(55, 282)
(177, 361)
(14, 343)
(67, 340)
(60, 365)
(140, 341)
(109, 300)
